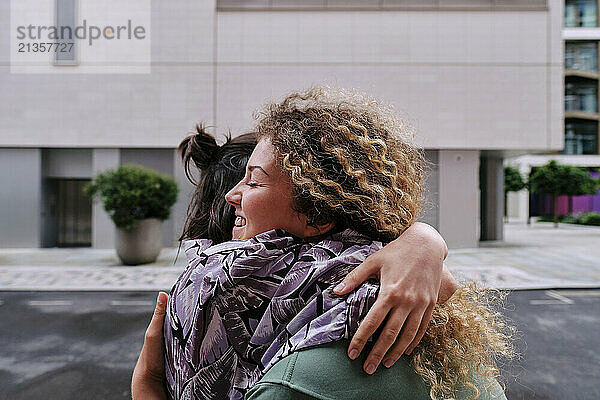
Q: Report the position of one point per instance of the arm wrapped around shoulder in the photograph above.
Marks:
(466, 336)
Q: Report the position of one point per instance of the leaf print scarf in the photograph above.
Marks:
(241, 306)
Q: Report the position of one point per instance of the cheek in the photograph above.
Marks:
(269, 209)
(256, 207)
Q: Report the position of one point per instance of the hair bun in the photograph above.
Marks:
(201, 148)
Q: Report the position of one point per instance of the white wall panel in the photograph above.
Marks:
(183, 31)
(153, 110)
(20, 175)
(103, 228)
(474, 107)
(416, 37)
(459, 197)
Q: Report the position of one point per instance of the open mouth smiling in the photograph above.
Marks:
(239, 221)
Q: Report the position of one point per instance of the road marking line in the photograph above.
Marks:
(131, 303)
(1, 302)
(50, 303)
(581, 293)
(540, 302)
(557, 296)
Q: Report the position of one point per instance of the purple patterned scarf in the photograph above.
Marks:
(242, 305)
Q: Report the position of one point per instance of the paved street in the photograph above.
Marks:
(70, 345)
(560, 346)
(83, 345)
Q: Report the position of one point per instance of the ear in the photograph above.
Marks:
(319, 229)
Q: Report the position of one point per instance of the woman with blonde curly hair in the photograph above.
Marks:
(334, 175)
(352, 165)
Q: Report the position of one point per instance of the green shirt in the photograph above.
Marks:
(326, 373)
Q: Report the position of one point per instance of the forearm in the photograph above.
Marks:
(427, 239)
(447, 287)
(147, 388)
(432, 249)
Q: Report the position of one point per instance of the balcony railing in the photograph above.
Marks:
(581, 98)
(581, 138)
(581, 57)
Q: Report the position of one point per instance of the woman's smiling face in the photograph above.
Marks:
(263, 198)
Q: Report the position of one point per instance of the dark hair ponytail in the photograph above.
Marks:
(200, 148)
(221, 167)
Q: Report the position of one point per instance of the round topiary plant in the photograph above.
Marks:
(131, 193)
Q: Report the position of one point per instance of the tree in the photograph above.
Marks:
(555, 180)
(513, 182)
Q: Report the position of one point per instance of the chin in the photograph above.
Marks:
(238, 234)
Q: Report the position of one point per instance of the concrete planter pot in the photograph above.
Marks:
(142, 244)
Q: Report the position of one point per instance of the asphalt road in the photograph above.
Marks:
(83, 345)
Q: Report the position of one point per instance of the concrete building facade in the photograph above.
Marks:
(480, 80)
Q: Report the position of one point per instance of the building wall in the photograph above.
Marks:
(466, 80)
(103, 229)
(474, 80)
(116, 110)
(517, 205)
(20, 176)
(459, 197)
(430, 211)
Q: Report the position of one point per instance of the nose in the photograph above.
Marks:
(234, 196)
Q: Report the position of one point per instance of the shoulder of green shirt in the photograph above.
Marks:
(326, 373)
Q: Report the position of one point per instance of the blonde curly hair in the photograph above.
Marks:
(350, 160)
(465, 338)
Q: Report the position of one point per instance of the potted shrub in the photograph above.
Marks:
(138, 200)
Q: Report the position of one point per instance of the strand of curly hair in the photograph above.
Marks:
(466, 336)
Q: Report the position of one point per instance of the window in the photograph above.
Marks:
(581, 137)
(580, 13)
(581, 96)
(66, 16)
(582, 56)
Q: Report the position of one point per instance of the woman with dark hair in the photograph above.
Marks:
(209, 214)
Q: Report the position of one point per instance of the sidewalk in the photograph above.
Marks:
(78, 269)
(535, 256)
(530, 257)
